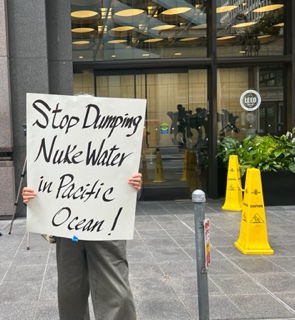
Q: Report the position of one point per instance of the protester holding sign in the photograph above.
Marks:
(99, 267)
(80, 153)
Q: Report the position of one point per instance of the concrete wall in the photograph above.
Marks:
(40, 59)
(6, 142)
(59, 45)
(5, 113)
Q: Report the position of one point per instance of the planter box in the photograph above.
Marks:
(278, 187)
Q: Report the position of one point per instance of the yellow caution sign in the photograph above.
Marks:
(185, 167)
(253, 231)
(159, 175)
(233, 195)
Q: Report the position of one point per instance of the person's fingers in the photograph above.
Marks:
(28, 194)
(137, 176)
(136, 180)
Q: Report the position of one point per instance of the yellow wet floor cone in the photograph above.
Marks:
(253, 231)
(233, 195)
(159, 176)
(185, 166)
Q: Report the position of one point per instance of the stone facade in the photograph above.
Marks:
(35, 56)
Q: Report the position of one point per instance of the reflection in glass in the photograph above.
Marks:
(156, 29)
(258, 28)
(104, 23)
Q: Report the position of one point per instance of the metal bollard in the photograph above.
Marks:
(198, 198)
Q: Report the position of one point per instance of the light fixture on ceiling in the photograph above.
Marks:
(121, 31)
(82, 30)
(178, 54)
(268, 8)
(226, 38)
(281, 24)
(117, 41)
(123, 28)
(81, 44)
(84, 14)
(162, 27)
(244, 24)
(225, 9)
(153, 40)
(177, 10)
(83, 33)
(129, 12)
(189, 39)
(84, 19)
(264, 36)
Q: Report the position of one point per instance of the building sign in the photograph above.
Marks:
(81, 150)
(250, 100)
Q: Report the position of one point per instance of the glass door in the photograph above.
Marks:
(175, 137)
(271, 118)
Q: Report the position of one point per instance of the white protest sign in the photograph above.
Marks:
(81, 150)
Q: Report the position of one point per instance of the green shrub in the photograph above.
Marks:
(267, 153)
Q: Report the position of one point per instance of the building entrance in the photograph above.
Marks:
(175, 134)
(176, 139)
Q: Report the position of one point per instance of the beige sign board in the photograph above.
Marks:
(81, 150)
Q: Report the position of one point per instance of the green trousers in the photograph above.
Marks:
(96, 268)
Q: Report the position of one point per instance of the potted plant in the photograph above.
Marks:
(273, 156)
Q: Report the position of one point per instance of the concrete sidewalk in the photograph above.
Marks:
(162, 267)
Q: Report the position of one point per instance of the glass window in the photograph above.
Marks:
(175, 138)
(142, 29)
(250, 28)
(236, 121)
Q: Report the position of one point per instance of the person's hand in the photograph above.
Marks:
(135, 181)
(28, 194)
